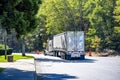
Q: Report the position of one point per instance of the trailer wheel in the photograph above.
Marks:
(55, 53)
(62, 55)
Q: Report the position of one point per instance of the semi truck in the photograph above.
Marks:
(67, 45)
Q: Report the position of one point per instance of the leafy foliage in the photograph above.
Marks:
(99, 19)
(62, 15)
(2, 46)
(95, 17)
(19, 14)
(2, 49)
(117, 13)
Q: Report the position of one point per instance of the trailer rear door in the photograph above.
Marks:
(70, 37)
(80, 41)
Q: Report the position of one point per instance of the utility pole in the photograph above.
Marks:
(5, 42)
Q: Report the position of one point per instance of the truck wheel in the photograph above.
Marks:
(68, 57)
(62, 55)
(54, 53)
(82, 57)
(57, 54)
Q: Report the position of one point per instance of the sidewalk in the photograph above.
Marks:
(23, 69)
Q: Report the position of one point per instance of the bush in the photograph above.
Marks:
(2, 50)
(110, 51)
(9, 52)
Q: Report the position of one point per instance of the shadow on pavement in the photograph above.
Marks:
(66, 61)
(52, 76)
(16, 74)
(82, 61)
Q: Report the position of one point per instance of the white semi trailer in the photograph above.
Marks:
(67, 45)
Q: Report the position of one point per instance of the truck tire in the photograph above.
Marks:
(62, 55)
(68, 57)
(82, 57)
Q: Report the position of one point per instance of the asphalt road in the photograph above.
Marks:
(92, 68)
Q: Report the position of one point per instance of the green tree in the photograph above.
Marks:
(62, 15)
(92, 41)
(117, 13)
(100, 15)
(20, 15)
(114, 42)
(38, 38)
(95, 17)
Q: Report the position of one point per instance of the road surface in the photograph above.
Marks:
(92, 68)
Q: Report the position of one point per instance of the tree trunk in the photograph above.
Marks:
(23, 47)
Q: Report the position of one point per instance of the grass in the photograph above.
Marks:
(1, 69)
(15, 58)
